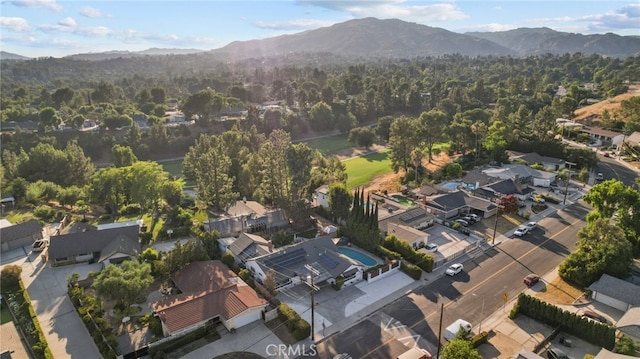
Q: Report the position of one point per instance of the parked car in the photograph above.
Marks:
(599, 176)
(521, 231)
(595, 316)
(469, 219)
(454, 269)
(475, 217)
(464, 231)
(531, 225)
(431, 247)
(531, 279)
(538, 199)
(462, 222)
(555, 353)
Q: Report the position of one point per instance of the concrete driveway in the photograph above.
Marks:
(47, 287)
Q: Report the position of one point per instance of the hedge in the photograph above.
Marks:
(422, 260)
(27, 320)
(100, 330)
(176, 343)
(588, 330)
(296, 325)
(412, 270)
(479, 339)
(384, 252)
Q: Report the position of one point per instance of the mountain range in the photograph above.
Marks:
(371, 37)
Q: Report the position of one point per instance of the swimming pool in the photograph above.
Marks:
(358, 256)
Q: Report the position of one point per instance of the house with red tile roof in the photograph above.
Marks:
(209, 290)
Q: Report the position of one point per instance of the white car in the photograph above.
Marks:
(531, 225)
(462, 222)
(454, 269)
(521, 231)
(431, 247)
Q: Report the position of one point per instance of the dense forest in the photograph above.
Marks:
(481, 105)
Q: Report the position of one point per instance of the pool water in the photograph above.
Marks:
(358, 256)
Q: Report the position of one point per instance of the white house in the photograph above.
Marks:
(321, 196)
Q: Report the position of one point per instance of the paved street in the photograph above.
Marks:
(498, 271)
(65, 333)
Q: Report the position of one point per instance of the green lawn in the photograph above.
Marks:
(361, 170)
(330, 145)
(173, 167)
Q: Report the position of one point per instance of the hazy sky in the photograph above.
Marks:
(57, 28)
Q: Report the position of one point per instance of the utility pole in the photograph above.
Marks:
(440, 329)
(312, 272)
(566, 189)
(495, 225)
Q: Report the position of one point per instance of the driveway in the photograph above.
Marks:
(65, 333)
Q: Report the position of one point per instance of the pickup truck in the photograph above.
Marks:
(39, 245)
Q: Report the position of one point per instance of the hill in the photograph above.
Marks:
(595, 111)
(129, 54)
(368, 37)
(9, 56)
(537, 41)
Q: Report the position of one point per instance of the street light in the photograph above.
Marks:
(481, 313)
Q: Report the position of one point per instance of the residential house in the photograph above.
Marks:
(247, 217)
(140, 119)
(108, 246)
(20, 235)
(629, 323)
(416, 238)
(452, 204)
(247, 246)
(521, 174)
(321, 196)
(506, 187)
(602, 136)
(476, 179)
(548, 163)
(417, 218)
(291, 264)
(89, 125)
(209, 291)
(8, 201)
(615, 292)
(633, 140)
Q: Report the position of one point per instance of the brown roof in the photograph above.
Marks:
(210, 289)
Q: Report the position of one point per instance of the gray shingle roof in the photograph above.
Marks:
(618, 289)
(73, 244)
(21, 230)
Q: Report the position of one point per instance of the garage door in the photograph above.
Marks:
(612, 302)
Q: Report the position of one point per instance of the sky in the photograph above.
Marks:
(37, 28)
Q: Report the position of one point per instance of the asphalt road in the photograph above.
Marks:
(471, 295)
(611, 169)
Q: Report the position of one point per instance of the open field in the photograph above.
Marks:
(361, 170)
(330, 145)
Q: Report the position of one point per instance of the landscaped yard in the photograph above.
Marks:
(559, 292)
(5, 315)
(361, 170)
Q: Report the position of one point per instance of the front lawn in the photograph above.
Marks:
(5, 315)
(361, 170)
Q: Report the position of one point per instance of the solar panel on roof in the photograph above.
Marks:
(410, 216)
(287, 260)
(330, 262)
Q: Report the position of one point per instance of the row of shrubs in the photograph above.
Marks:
(296, 325)
(20, 304)
(90, 310)
(160, 351)
(406, 252)
(588, 330)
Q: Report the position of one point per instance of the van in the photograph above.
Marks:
(415, 353)
(451, 331)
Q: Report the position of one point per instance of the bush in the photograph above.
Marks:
(339, 283)
(130, 209)
(479, 339)
(174, 344)
(296, 325)
(412, 271)
(384, 252)
(514, 311)
(10, 277)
